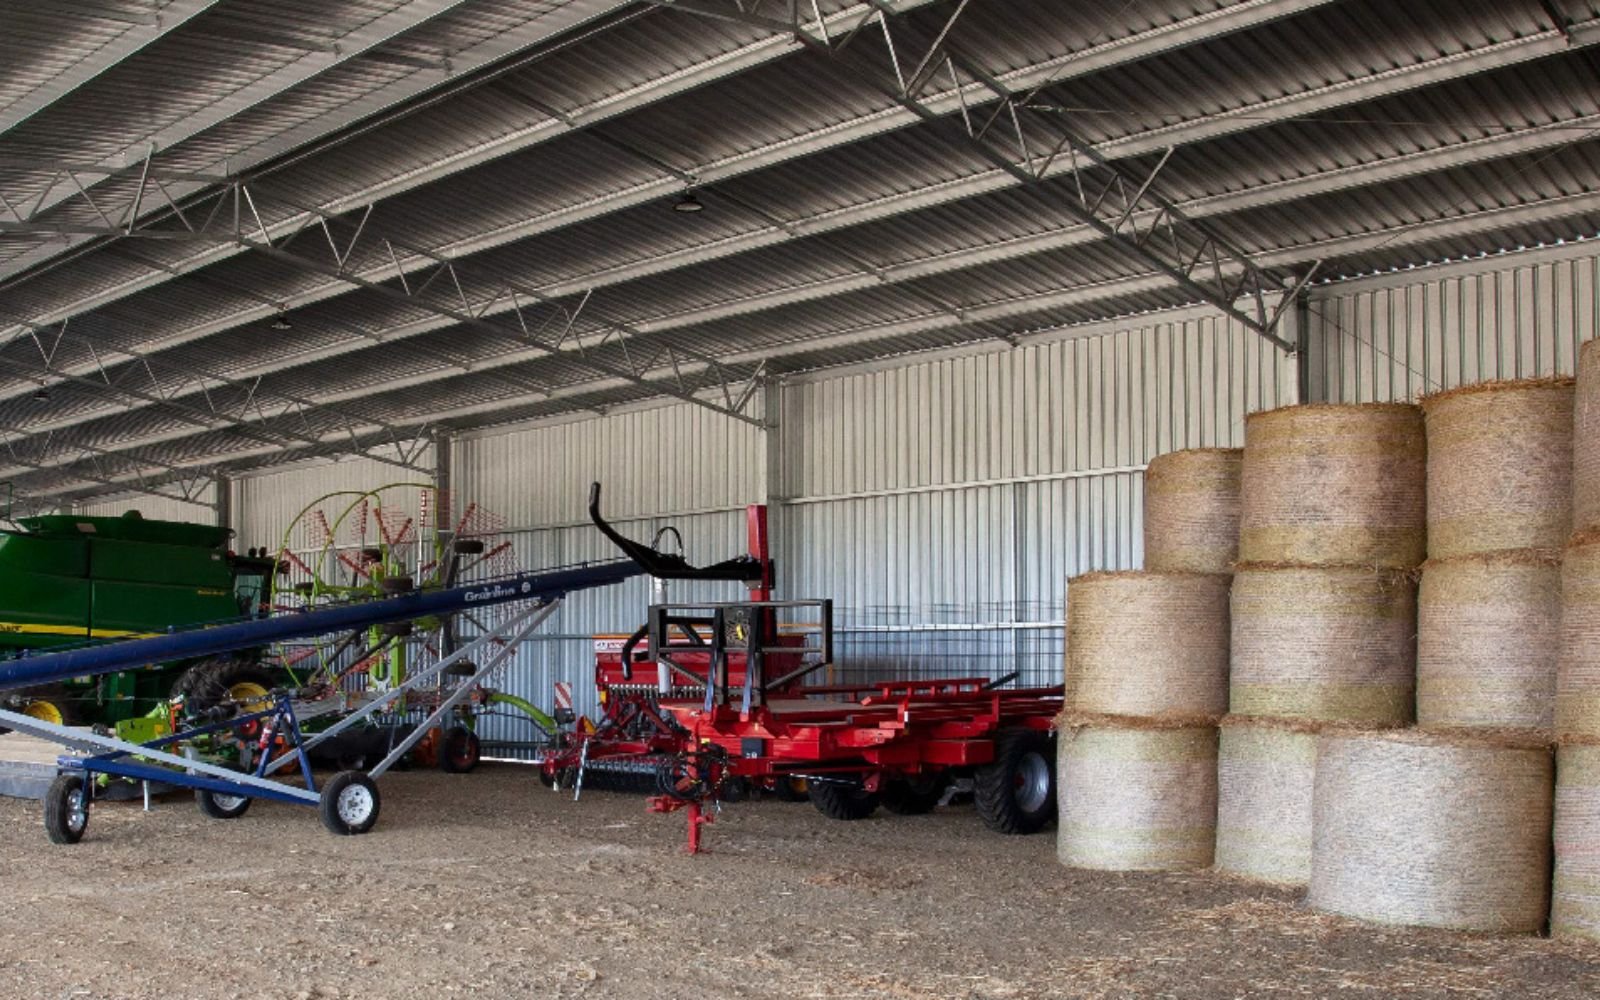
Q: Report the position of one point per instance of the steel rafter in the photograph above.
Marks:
(349, 250)
(1028, 142)
(225, 404)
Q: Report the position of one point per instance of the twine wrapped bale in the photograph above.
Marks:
(1265, 769)
(1586, 441)
(1332, 485)
(1499, 466)
(1191, 510)
(1150, 644)
(1488, 637)
(1432, 830)
(1136, 794)
(1578, 666)
(1575, 896)
(1328, 643)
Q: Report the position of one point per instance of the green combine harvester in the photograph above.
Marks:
(70, 581)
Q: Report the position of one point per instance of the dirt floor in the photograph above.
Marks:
(490, 885)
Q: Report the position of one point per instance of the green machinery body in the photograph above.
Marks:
(68, 580)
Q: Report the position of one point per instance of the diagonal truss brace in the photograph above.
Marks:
(209, 400)
(1028, 138)
(347, 249)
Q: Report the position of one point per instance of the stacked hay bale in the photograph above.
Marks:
(1499, 511)
(1448, 825)
(1147, 677)
(1575, 904)
(1332, 526)
(1423, 829)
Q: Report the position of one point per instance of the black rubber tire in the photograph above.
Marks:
(392, 585)
(459, 750)
(468, 546)
(59, 799)
(912, 796)
(219, 806)
(205, 685)
(349, 822)
(997, 790)
(838, 800)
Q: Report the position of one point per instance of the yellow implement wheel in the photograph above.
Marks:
(45, 711)
(250, 696)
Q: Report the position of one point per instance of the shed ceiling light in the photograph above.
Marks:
(281, 322)
(688, 203)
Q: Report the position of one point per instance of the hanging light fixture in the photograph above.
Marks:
(688, 204)
(41, 394)
(281, 322)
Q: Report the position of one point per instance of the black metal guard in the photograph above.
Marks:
(667, 565)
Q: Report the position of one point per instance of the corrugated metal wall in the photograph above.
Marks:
(944, 504)
(265, 506)
(1394, 338)
(679, 464)
(154, 507)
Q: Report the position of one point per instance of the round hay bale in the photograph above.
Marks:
(1136, 795)
(1148, 644)
(1328, 643)
(1334, 486)
(1265, 769)
(1586, 441)
(1191, 510)
(1499, 466)
(1488, 637)
(1575, 895)
(1578, 665)
(1432, 831)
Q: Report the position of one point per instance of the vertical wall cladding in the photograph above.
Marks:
(1399, 337)
(944, 504)
(666, 459)
(158, 508)
(266, 505)
(679, 465)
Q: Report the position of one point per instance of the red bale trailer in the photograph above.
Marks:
(712, 698)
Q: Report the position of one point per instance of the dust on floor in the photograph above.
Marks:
(490, 885)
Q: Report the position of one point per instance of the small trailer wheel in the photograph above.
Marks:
(66, 808)
(221, 806)
(1016, 794)
(349, 803)
(459, 751)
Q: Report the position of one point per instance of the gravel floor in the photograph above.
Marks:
(489, 885)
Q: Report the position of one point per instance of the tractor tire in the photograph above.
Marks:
(459, 751)
(468, 546)
(210, 683)
(349, 804)
(912, 796)
(1016, 794)
(66, 813)
(837, 800)
(220, 806)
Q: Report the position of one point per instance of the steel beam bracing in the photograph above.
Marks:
(1011, 130)
(220, 403)
(350, 249)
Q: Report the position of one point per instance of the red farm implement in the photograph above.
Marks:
(711, 698)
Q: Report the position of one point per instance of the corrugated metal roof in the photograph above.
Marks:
(835, 228)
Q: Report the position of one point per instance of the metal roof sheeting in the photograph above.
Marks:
(836, 229)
